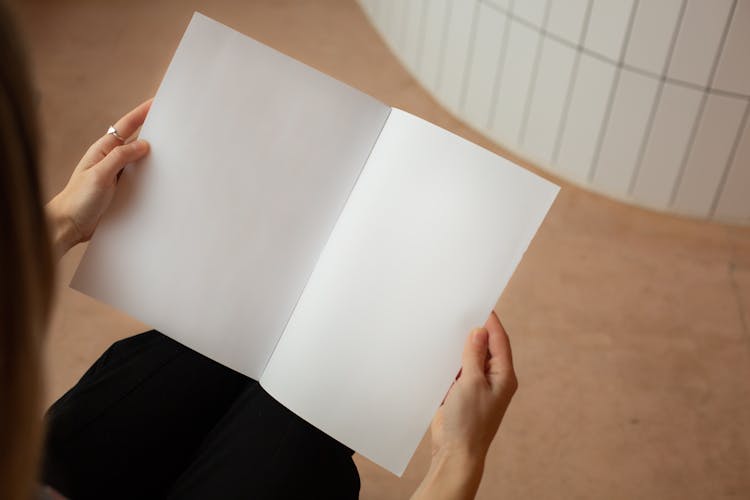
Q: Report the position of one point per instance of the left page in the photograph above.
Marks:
(212, 237)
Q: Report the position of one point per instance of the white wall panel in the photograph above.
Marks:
(697, 45)
(483, 65)
(734, 199)
(548, 101)
(608, 26)
(432, 45)
(624, 132)
(640, 99)
(457, 42)
(654, 26)
(665, 147)
(709, 155)
(413, 19)
(400, 26)
(391, 21)
(530, 10)
(501, 4)
(733, 73)
(515, 79)
(369, 6)
(587, 107)
(566, 18)
(377, 16)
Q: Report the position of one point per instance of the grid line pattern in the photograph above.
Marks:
(612, 93)
(571, 82)
(701, 109)
(534, 76)
(452, 22)
(660, 89)
(499, 71)
(604, 58)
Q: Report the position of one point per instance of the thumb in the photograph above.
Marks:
(475, 352)
(120, 156)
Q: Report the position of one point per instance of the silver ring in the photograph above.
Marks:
(113, 131)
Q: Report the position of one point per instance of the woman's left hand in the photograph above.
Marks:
(75, 212)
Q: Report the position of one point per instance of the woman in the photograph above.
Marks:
(152, 419)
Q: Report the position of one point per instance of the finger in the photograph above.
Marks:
(501, 356)
(475, 353)
(499, 342)
(120, 156)
(447, 393)
(126, 126)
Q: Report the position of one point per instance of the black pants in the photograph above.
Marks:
(154, 419)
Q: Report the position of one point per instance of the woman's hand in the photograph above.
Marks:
(466, 423)
(75, 212)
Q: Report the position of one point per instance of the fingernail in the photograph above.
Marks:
(480, 336)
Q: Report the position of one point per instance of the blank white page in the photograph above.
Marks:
(212, 237)
(425, 245)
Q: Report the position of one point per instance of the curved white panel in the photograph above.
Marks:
(644, 101)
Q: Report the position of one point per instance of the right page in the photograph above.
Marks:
(426, 243)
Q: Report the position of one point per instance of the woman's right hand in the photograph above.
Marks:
(466, 423)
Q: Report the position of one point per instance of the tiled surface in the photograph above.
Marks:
(630, 329)
(555, 66)
(587, 108)
(624, 132)
(566, 19)
(655, 22)
(511, 94)
(608, 27)
(713, 143)
(458, 38)
(694, 56)
(513, 68)
(670, 133)
(732, 72)
(488, 39)
(735, 199)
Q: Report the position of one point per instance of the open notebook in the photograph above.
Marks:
(311, 237)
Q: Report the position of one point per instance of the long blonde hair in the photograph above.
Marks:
(26, 272)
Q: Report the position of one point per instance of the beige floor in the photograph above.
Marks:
(630, 329)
